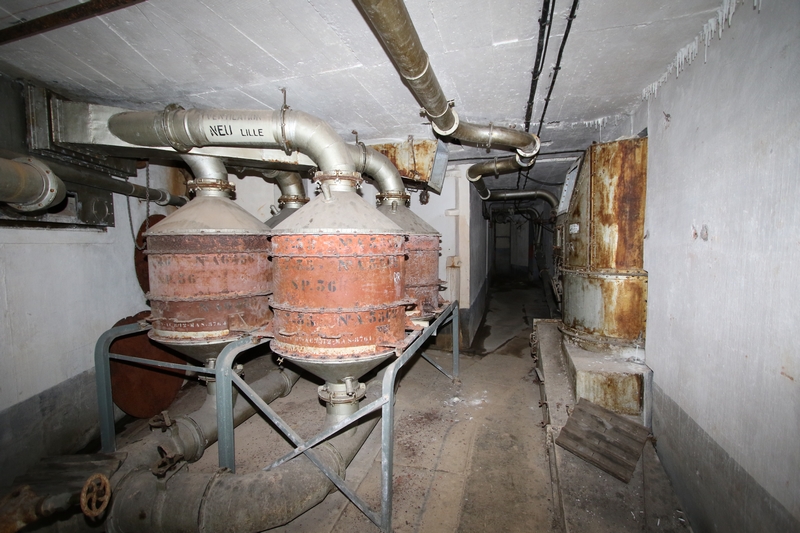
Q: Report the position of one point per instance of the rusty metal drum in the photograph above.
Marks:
(422, 249)
(210, 275)
(339, 293)
(337, 296)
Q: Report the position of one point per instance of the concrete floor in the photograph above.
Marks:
(468, 456)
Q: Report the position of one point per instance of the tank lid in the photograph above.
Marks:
(407, 219)
(210, 214)
(343, 212)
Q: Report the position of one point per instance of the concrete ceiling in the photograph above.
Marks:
(238, 54)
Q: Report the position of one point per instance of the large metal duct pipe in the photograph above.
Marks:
(475, 174)
(239, 503)
(197, 431)
(184, 129)
(210, 176)
(28, 185)
(293, 195)
(98, 180)
(191, 434)
(379, 167)
(393, 25)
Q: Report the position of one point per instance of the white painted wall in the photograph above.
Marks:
(519, 242)
(723, 312)
(59, 290)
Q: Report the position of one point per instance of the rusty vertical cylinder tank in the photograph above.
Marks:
(422, 248)
(210, 276)
(338, 283)
(605, 284)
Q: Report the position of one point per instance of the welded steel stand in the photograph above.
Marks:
(226, 378)
(385, 403)
(105, 403)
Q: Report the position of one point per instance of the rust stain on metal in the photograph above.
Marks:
(422, 272)
(204, 286)
(618, 202)
(577, 226)
(18, 509)
(338, 296)
(625, 311)
(620, 392)
(414, 162)
(623, 305)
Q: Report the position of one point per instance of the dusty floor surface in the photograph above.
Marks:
(468, 456)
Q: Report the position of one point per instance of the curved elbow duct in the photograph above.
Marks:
(184, 129)
(293, 195)
(524, 195)
(475, 174)
(393, 25)
(210, 176)
(380, 168)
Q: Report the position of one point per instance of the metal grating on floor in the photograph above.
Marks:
(603, 438)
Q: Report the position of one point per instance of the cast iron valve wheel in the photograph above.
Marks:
(95, 495)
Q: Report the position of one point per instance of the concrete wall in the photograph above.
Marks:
(59, 290)
(479, 260)
(722, 251)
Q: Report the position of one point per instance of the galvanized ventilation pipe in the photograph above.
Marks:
(27, 184)
(210, 176)
(223, 501)
(393, 25)
(198, 430)
(293, 195)
(184, 129)
(379, 167)
(98, 180)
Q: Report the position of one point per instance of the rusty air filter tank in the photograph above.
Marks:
(422, 249)
(210, 276)
(339, 283)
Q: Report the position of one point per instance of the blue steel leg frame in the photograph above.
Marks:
(226, 378)
(102, 376)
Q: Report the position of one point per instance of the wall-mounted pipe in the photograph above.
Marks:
(29, 185)
(222, 501)
(184, 129)
(98, 180)
(393, 26)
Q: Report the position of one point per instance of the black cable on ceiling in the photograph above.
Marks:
(558, 62)
(545, 23)
(556, 69)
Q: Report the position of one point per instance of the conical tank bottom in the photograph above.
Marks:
(196, 349)
(336, 371)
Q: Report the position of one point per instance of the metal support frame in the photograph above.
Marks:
(226, 378)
